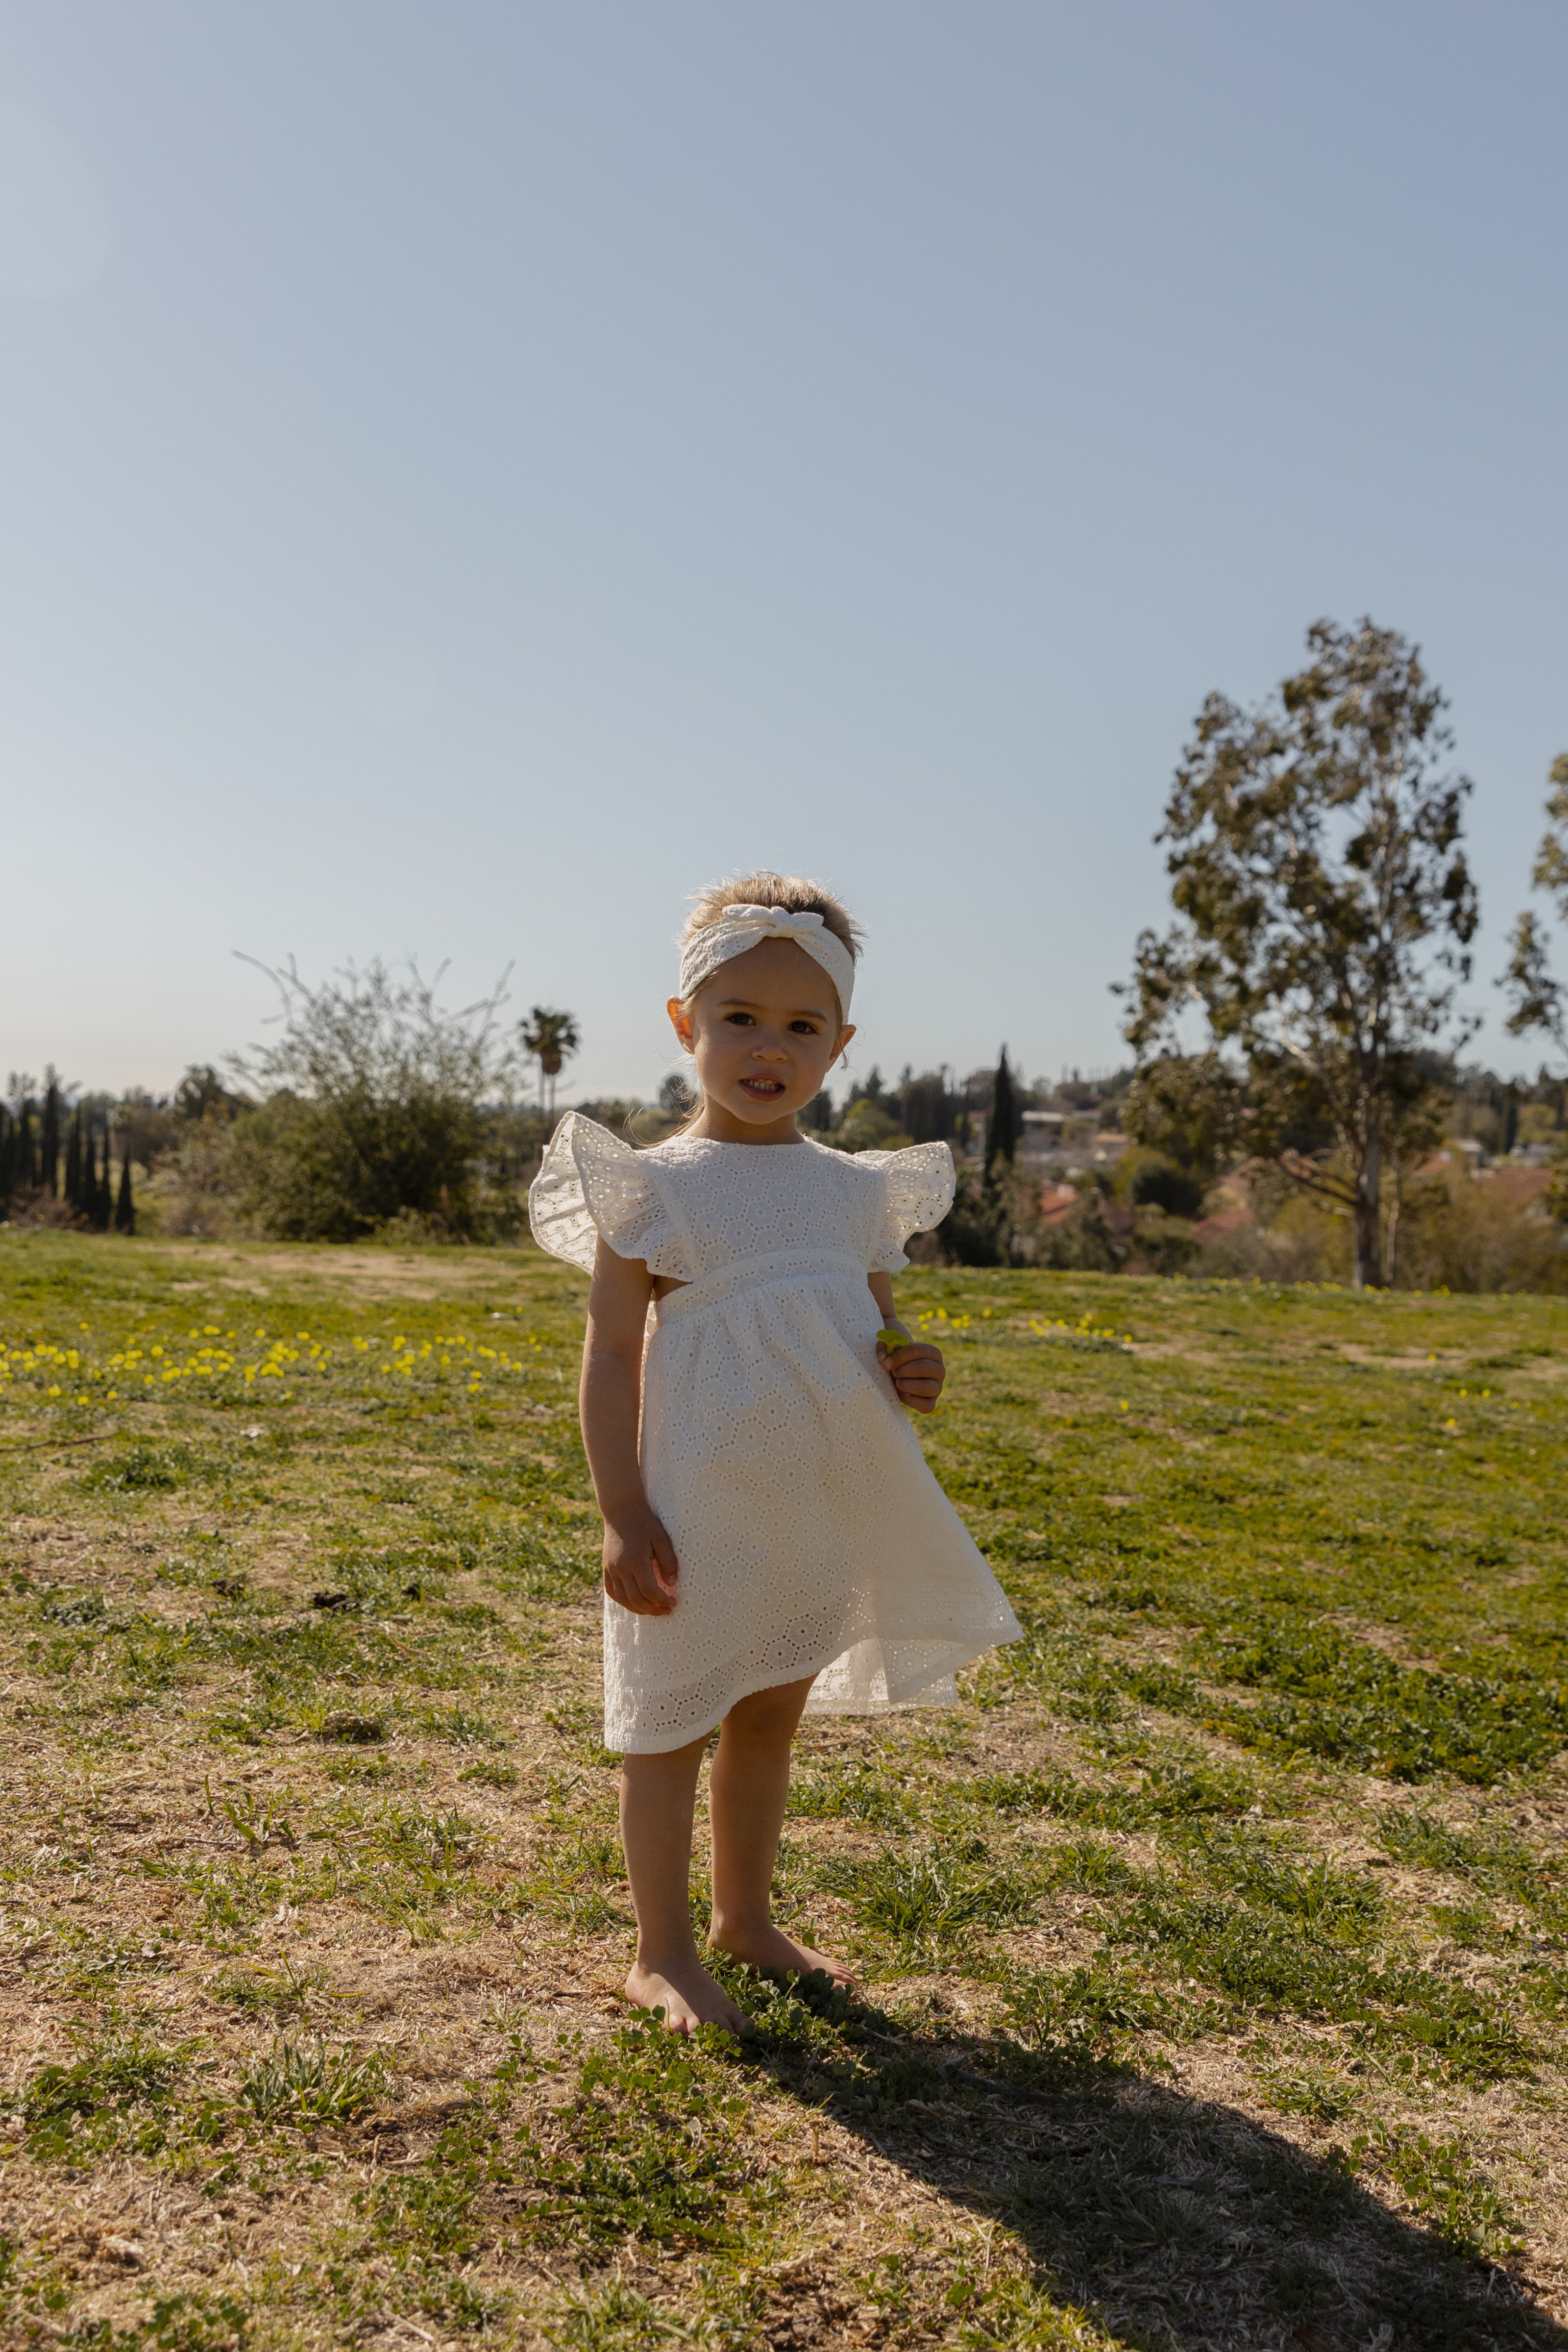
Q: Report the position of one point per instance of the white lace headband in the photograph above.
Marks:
(740, 927)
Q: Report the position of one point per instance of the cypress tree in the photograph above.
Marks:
(125, 1207)
(73, 1161)
(25, 1177)
(103, 1197)
(1002, 1128)
(90, 1179)
(7, 1157)
(51, 1141)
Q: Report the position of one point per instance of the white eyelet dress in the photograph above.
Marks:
(810, 1535)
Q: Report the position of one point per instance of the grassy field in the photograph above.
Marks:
(1215, 1949)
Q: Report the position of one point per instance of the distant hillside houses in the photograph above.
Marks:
(1070, 1138)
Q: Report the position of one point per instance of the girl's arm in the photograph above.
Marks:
(640, 1566)
(917, 1369)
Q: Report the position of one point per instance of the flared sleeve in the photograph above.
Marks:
(919, 1181)
(592, 1183)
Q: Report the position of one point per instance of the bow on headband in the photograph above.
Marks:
(740, 927)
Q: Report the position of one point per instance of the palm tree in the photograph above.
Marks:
(549, 1037)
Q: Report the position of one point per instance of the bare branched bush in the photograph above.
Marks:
(1309, 1249)
(371, 1112)
(192, 1190)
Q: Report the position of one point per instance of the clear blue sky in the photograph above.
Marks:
(472, 474)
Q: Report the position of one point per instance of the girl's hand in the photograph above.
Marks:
(639, 1565)
(916, 1371)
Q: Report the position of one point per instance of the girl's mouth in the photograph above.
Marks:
(763, 1090)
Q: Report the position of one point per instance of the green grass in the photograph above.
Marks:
(928, 1901)
(317, 2085)
(1214, 1950)
(94, 2100)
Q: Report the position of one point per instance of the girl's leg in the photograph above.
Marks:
(750, 1783)
(657, 1794)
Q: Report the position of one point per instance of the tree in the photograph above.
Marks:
(1540, 1001)
(50, 1147)
(1153, 1182)
(145, 1126)
(102, 1206)
(202, 1094)
(73, 1160)
(1005, 1124)
(549, 1037)
(1324, 914)
(372, 1109)
(979, 1229)
(925, 1106)
(1189, 1106)
(124, 1206)
(869, 1124)
(24, 1175)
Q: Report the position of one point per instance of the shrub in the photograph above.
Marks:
(1155, 1181)
(193, 1187)
(1302, 1246)
(372, 1114)
(1162, 1243)
(978, 1228)
(1467, 1232)
(868, 1126)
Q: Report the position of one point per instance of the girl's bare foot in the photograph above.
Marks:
(777, 1954)
(688, 1995)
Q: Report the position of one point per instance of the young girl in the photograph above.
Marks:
(773, 1540)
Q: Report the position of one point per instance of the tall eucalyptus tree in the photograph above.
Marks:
(1324, 912)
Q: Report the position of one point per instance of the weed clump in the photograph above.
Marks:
(849, 1793)
(1090, 2011)
(108, 2096)
(139, 1470)
(75, 1606)
(354, 1730)
(313, 2087)
(1443, 2187)
(929, 1901)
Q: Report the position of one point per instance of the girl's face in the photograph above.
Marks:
(764, 1031)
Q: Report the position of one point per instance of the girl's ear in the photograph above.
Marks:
(844, 1035)
(681, 1022)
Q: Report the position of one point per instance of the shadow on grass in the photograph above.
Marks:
(1180, 2225)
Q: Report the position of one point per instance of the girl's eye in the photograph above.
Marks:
(740, 1020)
(804, 1028)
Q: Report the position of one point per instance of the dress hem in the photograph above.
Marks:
(963, 1655)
